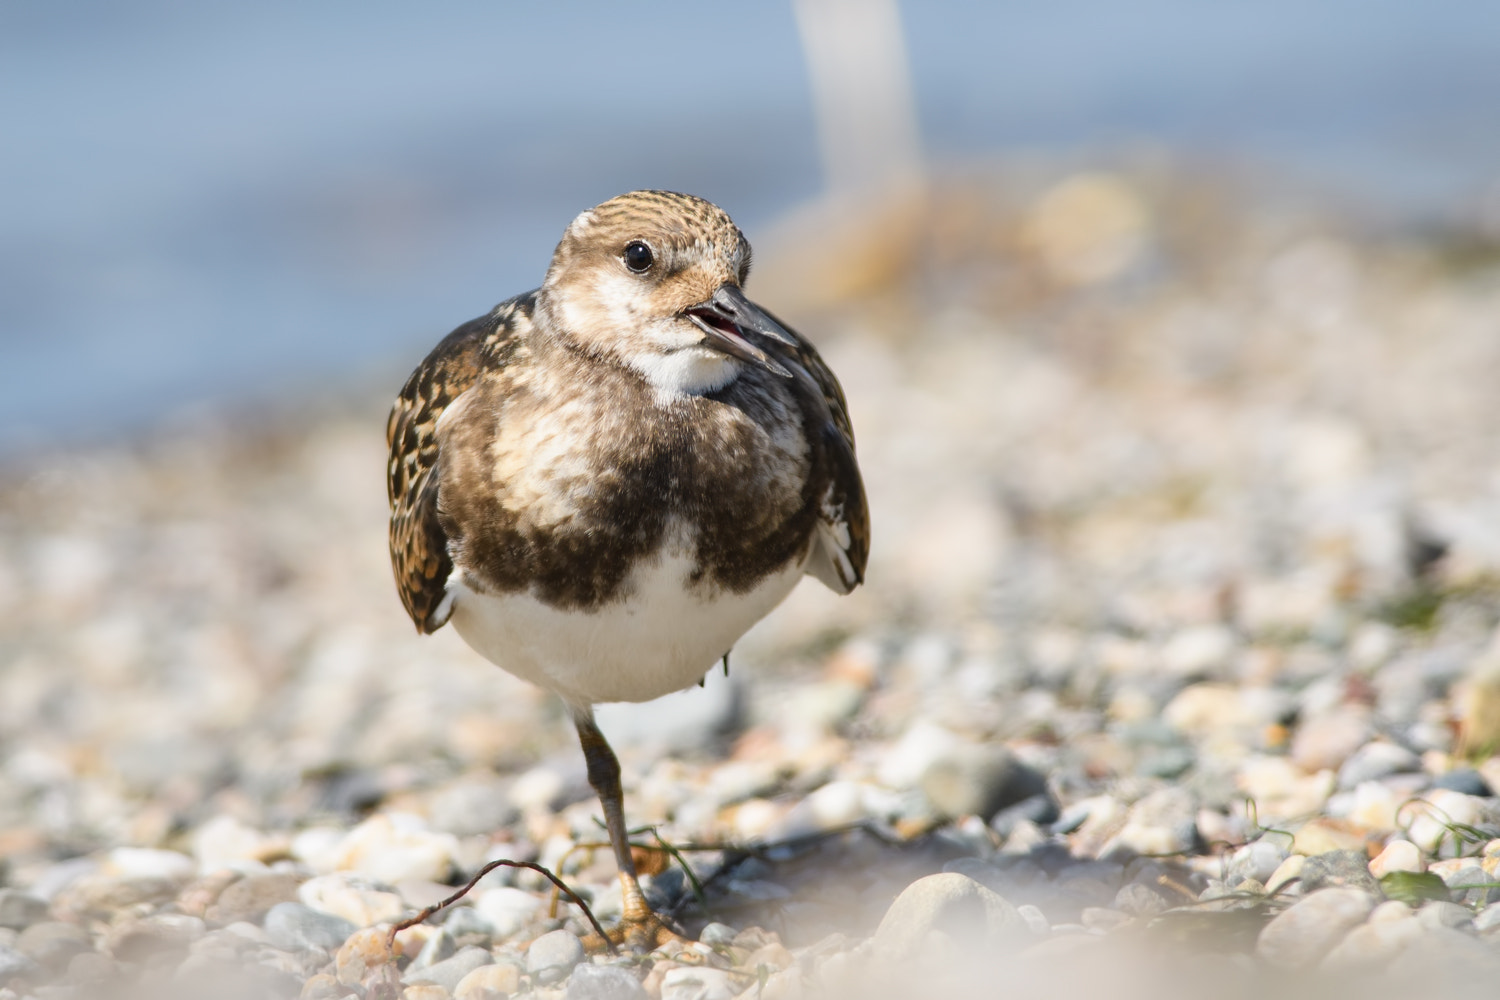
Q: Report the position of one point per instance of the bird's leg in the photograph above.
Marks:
(640, 928)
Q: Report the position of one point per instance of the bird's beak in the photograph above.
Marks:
(728, 317)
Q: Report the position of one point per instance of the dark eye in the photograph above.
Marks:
(638, 257)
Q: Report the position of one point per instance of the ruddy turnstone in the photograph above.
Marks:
(603, 483)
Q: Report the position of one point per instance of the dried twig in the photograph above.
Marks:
(502, 863)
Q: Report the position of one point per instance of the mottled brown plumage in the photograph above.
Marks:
(604, 482)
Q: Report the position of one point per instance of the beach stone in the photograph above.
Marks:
(1039, 810)
(324, 987)
(15, 965)
(1339, 869)
(450, 971)
(1398, 856)
(954, 904)
(1439, 914)
(552, 956)
(92, 967)
(224, 842)
(979, 781)
(1465, 781)
(357, 899)
(1259, 859)
(1307, 930)
(426, 991)
(508, 910)
(1430, 827)
(1488, 918)
(716, 933)
(1164, 822)
(1373, 945)
(395, 847)
(364, 952)
(1140, 900)
(137, 940)
(146, 862)
(1325, 742)
(19, 910)
(603, 982)
(1374, 761)
(297, 927)
(439, 946)
(698, 983)
(53, 943)
(1285, 873)
(251, 898)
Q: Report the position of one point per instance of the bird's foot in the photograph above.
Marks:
(640, 932)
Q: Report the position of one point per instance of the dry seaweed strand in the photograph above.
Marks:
(562, 887)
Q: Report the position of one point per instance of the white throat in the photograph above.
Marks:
(688, 371)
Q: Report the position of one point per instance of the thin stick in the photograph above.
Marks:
(502, 863)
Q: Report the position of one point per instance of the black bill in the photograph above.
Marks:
(728, 317)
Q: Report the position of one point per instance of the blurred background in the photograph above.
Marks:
(215, 202)
(1170, 331)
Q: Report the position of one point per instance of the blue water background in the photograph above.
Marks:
(207, 202)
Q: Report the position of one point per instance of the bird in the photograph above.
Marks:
(602, 483)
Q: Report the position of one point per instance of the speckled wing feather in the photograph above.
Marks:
(419, 546)
(844, 529)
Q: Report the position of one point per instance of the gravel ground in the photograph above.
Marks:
(1178, 665)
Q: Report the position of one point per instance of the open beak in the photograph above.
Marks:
(728, 317)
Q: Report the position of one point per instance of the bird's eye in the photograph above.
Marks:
(638, 257)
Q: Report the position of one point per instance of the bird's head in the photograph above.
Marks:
(653, 279)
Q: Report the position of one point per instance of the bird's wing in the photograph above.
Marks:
(843, 540)
(419, 546)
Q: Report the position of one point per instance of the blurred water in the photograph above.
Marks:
(211, 200)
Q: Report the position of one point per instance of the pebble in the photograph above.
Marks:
(1307, 930)
(451, 971)
(1331, 869)
(954, 904)
(508, 910)
(251, 897)
(496, 981)
(14, 965)
(53, 943)
(1398, 856)
(364, 951)
(296, 927)
(425, 991)
(979, 781)
(1324, 742)
(1465, 781)
(698, 983)
(1374, 761)
(552, 956)
(1435, 816)
(1438, 914)
(605, 982)
(19, 910)
(354, 897)
(1372, 945)
(1259, 859)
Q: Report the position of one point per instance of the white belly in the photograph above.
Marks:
(662, 637)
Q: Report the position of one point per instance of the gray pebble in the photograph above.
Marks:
(438, 948)
(1338, 869)
(1374, 761)
(19, 910)
(552, 956)
(697, 983)
(1258, 859)
(954, 904)
(1040, 809)
(53, 943)
(450, 971)
(250, 898)
(297, 927)
(605, 982)
(979, 781)
(1488, 918)
(717, 933)
(1302, 934)
(465, 920)
(1141, 900)
(1438, 914)
(1465, 780)
(15, 965)
(1036, 920)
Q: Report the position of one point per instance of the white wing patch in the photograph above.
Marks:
(829, 559)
